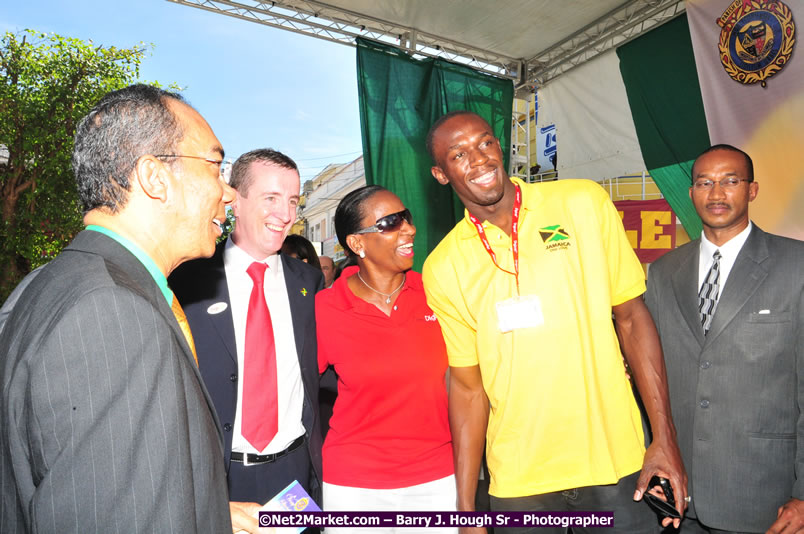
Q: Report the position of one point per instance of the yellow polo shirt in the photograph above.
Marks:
(562, 411)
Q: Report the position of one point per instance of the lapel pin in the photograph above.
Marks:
(217, 308)
(304, 291)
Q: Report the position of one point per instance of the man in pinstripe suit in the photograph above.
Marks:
(105, 424)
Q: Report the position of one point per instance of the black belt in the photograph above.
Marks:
(249, 459)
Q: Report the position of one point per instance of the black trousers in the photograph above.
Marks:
(691, 525)
(629, 517)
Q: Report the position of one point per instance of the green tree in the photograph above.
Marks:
(47, 84)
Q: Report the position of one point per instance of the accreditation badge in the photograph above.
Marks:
(519, 312)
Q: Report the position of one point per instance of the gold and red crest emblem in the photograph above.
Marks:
(756, 39)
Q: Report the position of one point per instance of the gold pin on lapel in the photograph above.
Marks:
(304, 291)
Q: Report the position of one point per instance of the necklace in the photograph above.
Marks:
(386, 295)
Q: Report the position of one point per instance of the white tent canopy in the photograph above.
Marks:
(535, 43)
(529, 41)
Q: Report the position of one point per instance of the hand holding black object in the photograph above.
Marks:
(663, 508)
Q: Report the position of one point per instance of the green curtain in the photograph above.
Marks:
(658, 70)
(677, 194)
(400, 98)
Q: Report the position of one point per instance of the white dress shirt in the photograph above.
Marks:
(728, 255)
(290, 391)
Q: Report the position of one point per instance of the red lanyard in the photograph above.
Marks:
(514, 236)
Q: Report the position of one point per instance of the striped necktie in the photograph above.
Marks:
(175, 307)
(707, 296)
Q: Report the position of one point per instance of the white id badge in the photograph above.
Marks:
(519, 312)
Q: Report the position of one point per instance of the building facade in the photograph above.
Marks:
(321, 196)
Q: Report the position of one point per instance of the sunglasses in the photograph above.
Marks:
(389, 223)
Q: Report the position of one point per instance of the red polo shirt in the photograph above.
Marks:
(389, 427)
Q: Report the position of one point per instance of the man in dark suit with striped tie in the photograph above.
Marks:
(729, 308)
(105, 424)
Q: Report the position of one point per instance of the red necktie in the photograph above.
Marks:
(260, 420)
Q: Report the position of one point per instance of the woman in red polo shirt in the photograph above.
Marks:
(389, 446)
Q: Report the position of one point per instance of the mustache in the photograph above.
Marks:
(718, 205)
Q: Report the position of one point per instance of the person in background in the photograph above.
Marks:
(105, 423)
(389, 445)
(341, 266)
(328, 268)
(299, 247)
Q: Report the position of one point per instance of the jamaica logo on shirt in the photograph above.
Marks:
(553, 233)
(555, 237)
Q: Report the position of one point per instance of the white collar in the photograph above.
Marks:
(238, 259)
(730, 248)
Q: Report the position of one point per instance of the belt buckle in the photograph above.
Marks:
(245, 459)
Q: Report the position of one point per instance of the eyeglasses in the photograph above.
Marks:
(223, 166)
(725, 183)
(389, 223)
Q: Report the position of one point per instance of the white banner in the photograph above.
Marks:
(590, 111)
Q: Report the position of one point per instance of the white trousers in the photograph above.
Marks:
(436, 496)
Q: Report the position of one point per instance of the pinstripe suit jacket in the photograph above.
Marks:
(737, 393)
(105, 424)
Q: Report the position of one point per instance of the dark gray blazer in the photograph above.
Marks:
(11, 301)
(105, 424)
(737, 393)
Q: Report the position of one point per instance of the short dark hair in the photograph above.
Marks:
(437, 124)
(241, 178)
(749, 163)
(122, 127)
(302, 248)
(349, 213)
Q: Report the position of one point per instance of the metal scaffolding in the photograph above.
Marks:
(324, 21)
(320, 20)
(612, 30)
(521, 119)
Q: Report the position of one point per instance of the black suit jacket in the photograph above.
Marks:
(105, 425)
(737, 392)
(202, 283)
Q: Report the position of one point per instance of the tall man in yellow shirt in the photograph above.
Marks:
(524, 288)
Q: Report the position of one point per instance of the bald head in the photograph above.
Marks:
(328, 268)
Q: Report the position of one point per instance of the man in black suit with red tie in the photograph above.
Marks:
(251, 312)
